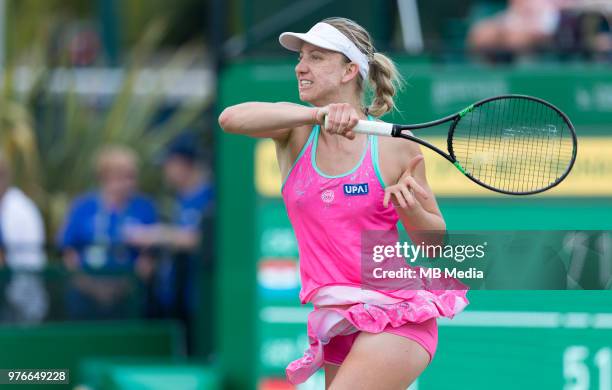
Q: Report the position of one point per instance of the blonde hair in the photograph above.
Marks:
(383, 76)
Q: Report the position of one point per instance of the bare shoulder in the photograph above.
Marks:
(401, 149)
(398, 147)
(395, 155)
(411, 148)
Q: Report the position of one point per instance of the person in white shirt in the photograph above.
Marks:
(524, 25)
(22, 238)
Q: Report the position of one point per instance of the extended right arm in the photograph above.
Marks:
(266, 120)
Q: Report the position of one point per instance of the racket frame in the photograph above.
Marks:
(396, 131)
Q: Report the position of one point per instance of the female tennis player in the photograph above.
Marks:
(337, 185)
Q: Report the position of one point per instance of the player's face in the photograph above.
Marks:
(319, 73)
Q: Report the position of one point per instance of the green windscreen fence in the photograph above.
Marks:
(539, 339)
(67, 345)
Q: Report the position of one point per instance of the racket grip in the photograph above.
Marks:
(372, 127)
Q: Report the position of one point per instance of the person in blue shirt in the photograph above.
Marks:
(95, 240)
(186, 172)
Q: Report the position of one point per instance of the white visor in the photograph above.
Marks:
(328, 37)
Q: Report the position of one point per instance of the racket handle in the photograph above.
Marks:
(372, 127)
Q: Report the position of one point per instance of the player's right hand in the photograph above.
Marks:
(341, 119)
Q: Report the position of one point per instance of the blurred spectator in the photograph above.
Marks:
(523, 26)
(22, 239)
(585, 29)
(188, 176)
(93, 240)
(75, 43)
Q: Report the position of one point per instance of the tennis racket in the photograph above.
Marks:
(512, 144)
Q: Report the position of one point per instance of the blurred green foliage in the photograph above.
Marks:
(40, 17)
(52, 136)
(186, 21)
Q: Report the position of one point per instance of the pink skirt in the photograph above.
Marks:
(326, 323)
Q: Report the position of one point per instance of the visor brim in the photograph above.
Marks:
(294, 41)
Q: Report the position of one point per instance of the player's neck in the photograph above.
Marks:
(349, 97)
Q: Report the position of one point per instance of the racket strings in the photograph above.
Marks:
(514, 145)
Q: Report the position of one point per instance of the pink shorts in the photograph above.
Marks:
(424, 333)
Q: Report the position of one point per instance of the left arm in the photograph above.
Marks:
(413, 199)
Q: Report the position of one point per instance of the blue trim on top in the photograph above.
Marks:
(375, 162)
(308, 141)
(313, 156)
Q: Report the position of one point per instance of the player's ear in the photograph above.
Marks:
(350, 72)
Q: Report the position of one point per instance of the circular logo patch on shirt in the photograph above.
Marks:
(327, 196)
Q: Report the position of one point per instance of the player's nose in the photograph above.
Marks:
(301, 68)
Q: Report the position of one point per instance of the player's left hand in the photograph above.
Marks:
(406, 194)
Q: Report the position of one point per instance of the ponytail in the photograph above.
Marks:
(383, 76)
(385, 80)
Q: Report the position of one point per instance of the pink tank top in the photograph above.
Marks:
(329, 214)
